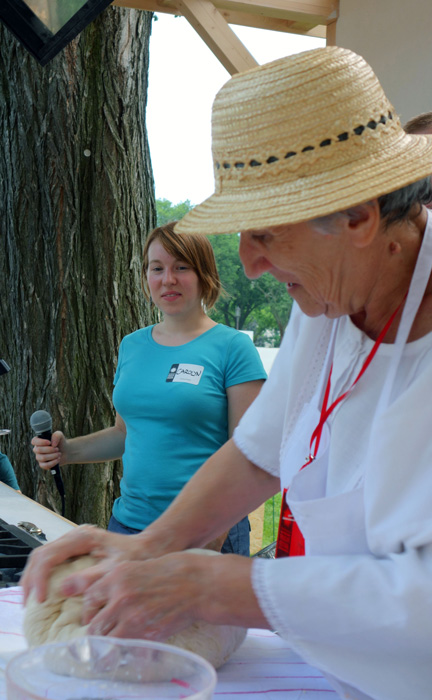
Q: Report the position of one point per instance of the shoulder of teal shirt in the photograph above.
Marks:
(7, 474)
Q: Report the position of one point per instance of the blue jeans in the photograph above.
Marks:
(237, 541)
(115, 526)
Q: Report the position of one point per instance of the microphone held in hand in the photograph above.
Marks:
(41, 424)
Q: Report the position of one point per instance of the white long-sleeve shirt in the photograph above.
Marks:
(363, 619)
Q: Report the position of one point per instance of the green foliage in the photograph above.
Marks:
(271, 319)
(239, 289)
(271, 520)
(166, 211)
(262, 306)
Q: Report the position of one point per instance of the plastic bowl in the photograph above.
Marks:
(106, 668)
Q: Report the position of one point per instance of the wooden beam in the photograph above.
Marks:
(258, 21)
(331, 34)
(147, 5)
(320, 31)
(321, 12)
(217, 34)
(239, 18)
(310, 13)
(211, 20)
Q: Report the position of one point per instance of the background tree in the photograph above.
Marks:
(241, 292)
(166, 211)
(270, 320)
(76, 201)
(262, 305)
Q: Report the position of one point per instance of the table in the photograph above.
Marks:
(263, 667)
(15, 507)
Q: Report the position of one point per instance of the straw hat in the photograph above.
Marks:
(302, 137)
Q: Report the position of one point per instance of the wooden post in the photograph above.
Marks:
(217, 34)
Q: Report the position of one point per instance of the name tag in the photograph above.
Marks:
(182, 372)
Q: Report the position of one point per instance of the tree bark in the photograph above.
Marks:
(76, 202)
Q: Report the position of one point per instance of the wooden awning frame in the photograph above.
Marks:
(211, 20)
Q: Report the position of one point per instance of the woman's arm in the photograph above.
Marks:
(224, 490)
(240, 397)
(101, 446)
(159, 597)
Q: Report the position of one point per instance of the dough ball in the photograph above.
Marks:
(58, 619)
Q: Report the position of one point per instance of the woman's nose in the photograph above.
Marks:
(253, 260)
(169, 276)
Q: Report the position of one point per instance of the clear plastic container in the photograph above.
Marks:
(105, 668)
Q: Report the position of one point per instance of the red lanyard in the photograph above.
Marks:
(290, 541)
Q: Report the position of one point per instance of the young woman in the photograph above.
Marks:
(181, 387)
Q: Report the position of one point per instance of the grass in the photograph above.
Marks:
(271, 519)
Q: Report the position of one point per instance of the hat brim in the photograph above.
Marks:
(261, 205)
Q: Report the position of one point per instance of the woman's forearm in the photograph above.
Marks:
(101, 446)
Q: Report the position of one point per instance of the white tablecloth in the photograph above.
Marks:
(264, 666)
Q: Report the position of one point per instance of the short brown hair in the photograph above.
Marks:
(195, 250)
(419, 123)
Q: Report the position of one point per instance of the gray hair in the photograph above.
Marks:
(419, 123)
(395, 207)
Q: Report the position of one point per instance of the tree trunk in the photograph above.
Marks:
(76, 202)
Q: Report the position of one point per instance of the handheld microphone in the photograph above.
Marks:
(41, 424)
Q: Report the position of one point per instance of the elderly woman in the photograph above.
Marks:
(313, 167)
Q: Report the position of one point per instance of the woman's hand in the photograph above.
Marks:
(157, 598)
(49, 453)
(152, 599)
(101, 446)
(129, 594)
(83, 540)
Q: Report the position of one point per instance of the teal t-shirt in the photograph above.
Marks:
(7, 474)
(174, 404)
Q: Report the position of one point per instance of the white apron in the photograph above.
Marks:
(336, 525)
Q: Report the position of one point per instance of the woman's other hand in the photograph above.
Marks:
(83, 540)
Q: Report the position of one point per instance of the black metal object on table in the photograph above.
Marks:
(15, 547)
(268, 552)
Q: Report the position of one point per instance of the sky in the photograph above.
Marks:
(184, 78)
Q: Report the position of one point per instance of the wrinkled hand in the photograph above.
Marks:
(153, 599)
(83, 540)
(51, 452)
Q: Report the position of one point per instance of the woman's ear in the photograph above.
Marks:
(363, 223)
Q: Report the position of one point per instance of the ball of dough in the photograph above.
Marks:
(59, 619)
